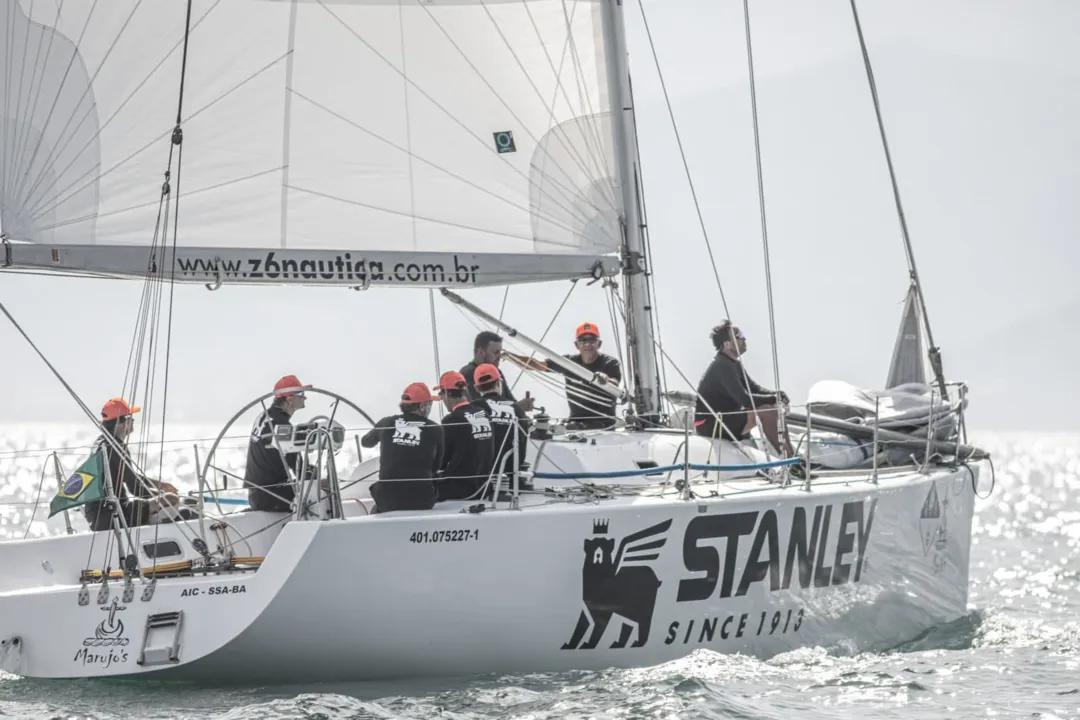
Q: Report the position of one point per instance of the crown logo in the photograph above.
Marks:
(599, 527)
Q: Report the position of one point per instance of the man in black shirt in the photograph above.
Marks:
(727, 390)
(505, 416)
(487, 348)
(590, 408)
(468, 445)
(410, 454)
(265, 476)
(131, 489)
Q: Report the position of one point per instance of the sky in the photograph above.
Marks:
(981, 101)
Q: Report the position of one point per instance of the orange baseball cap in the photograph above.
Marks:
(587, 328)
(116, 409)
(451, 380)
(289, 385)
(486, 373)
(417, 393)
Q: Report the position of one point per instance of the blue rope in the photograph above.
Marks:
(664, 469)
(611, 474)
(225, 501)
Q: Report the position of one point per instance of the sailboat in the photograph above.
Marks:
(436, 145)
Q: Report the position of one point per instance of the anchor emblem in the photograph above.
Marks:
(109, 631)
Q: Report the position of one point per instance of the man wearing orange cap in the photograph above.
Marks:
(506, 417)
(589, 408)
(468, 448)
(410, 454)
(265, 475)
(131, 490)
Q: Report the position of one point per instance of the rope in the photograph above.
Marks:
(682, 155)
(693, 191)
(667, 468)
(935, 354)
(761, 206)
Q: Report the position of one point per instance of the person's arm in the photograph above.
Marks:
(764, 396)
(612, 372)
(371, 437)
(530, 363)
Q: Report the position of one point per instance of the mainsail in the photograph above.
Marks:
(354, 142)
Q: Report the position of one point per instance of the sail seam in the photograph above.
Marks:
(89, 85)
(19, 133)
(22, 72)
(151, 143)
(140, 206)
(408, 133)
(286, 135)
(59, 151)
(586, 100)
(550, 108)
(48, 118)
(429, 163)
(447, 223)
(502, 100)
(571, 194)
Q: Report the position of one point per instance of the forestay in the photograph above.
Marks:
(319, 137)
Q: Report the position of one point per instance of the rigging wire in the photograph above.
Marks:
(690, 182)
(934, 352)
(761, 207)
(178, 141)
(682, 156)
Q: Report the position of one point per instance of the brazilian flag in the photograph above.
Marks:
(85, 485)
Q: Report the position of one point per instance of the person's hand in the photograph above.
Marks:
(602, 378)
(527, 403)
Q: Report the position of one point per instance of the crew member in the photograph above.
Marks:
(727, 390)
(410, 454)
(265, 475)
(590, 408)
(131, 489)
(487, 348)
(469, 447)
(506, 417)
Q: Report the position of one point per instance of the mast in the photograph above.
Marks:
(639, 318)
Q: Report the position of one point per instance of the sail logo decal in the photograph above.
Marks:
(933, 527)
(339, 268)
(504, 142)
(750, 554)
(615, 582)
(105, 648)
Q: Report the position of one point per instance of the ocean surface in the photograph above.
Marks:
(1016, 654)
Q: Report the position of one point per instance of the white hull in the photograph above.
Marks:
(446, 592)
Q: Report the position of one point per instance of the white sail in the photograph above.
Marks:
(338, 126)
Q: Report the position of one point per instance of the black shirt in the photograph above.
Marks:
(127, 483)
(588, 403)
(469, 450)
(728, 392)
(505, 415)
(265, 474)
(410, 448)
(469, 370)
